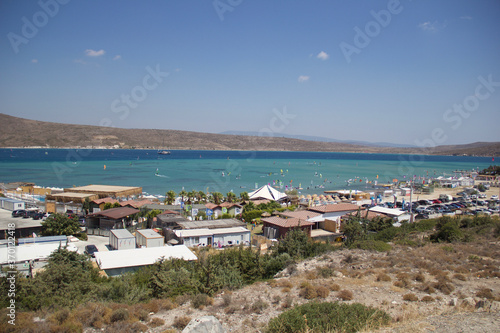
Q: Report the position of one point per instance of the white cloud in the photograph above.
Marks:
(303, 78)
(93, 53)
(117, 57)
(431, 26)
(35, 61)
(323, 55)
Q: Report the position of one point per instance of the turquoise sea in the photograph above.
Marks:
(222, 171)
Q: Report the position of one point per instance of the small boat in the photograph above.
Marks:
(163, 152)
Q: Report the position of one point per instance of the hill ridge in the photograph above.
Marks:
(18, 132)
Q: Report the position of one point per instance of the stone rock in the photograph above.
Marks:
(453, 301)
(205, 324)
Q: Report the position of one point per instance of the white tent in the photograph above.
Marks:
(266, 192)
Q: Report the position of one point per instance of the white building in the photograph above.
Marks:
(119, 262)
(148, 238)
(214, 237)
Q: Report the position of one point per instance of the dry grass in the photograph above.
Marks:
(345, 295)
(181, 322)
(410, 297)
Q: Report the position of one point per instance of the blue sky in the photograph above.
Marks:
(409, 72)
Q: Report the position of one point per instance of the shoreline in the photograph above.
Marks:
(262, 150)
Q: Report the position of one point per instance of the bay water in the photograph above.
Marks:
(223, 171)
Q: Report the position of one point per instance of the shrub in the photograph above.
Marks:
(383, 277)
(419, 277)
(345, 295)
(485, 293)
(155, 322)
(410, 297)
(322, 292)
(181, 322)
(460, 277)
(287, 303)
(120, 314)
(449, 232)
(328, 317)
(371, 245)
(201, 300)
(308, 292)
(227, 298)
(334, 287)
(427, 299)
(325, 271)
(443, 286)
(259, 305)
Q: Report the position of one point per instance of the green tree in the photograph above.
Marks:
(60, 224)
(244, 196)
(201, 196)
(217, 198)
(170, 197)
(183, 195)
(86, 205)
(354, 229)
(230, 197)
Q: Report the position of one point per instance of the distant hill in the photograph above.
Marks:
(323, 139)
(19, 132)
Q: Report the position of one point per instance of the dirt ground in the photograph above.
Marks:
(468, 300)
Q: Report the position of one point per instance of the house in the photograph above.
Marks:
(98, 204)
(231, 208)
(275, 227)
(168, 219)
(30, 257)
(121, 239)
(135, 203)
(215, 211)
(219, 237)
(115, 263)
(397, 215)
(331, 213)
(148, 238)
(101, 223)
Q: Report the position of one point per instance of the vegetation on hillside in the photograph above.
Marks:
(70, 285)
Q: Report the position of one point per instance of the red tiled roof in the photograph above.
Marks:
(334, 208)
(135, 204)
(210, 205)
(116, 213)
(301, 214)
(371, 215)
(286, 223)
(229, 204)
(104, 200)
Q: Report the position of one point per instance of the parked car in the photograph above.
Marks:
(18, 213)
(494, 197)
(37, 216)
(422, 216)
(91, 249)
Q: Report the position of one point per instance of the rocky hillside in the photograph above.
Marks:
(19, 132)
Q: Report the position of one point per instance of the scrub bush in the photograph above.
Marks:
(327, 317)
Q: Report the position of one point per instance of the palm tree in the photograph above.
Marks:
(170, 197)
(201, 196)
(182, 194)
(217, 198)
(230, 197)
(244, 196)
(191, 196)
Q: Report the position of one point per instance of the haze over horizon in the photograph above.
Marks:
(404, 72)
